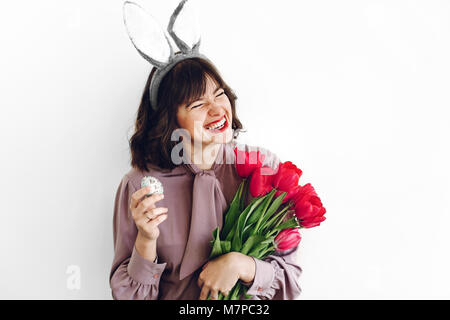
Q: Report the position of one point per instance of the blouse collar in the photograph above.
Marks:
(221, 155)
(208, 207)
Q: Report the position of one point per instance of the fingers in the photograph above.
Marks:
(138, 207)
(149, 202)
(155, 222)
(199, 282)
(214, 294)
(153, 213)
(210, 290)
(204, 293)
(137, 196)
(225, 293)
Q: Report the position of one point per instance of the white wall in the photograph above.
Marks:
(354, 92)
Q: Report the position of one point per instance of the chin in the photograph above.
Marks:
(224, 137)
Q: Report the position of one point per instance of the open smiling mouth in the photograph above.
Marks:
(218, 126)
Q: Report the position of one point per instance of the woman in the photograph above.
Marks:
(162, 242)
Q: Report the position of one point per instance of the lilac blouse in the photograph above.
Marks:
(196, 200)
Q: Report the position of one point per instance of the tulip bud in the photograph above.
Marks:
(287, 239)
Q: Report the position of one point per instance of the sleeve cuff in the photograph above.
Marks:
(264, 276)
(143, 270)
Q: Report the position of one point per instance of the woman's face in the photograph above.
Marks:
(208, 119)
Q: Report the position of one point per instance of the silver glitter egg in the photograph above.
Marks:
(154, 184)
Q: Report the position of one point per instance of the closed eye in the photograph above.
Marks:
(199, 105)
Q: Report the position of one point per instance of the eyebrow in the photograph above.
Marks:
(217, 89)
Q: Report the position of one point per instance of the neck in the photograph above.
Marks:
(203, 156)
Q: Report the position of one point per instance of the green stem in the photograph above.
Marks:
(271, 248)
(265, 209)
(272, 220)
(281, 220)
(234, 293)
(232, 211)
(243, 195)
(278, 223)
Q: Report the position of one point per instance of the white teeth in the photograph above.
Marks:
(217, 125)
(218, 128)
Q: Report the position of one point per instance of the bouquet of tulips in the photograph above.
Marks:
(271, 221)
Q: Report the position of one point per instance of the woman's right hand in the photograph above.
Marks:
(146, 215)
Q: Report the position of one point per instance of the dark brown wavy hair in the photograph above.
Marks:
(151, 143)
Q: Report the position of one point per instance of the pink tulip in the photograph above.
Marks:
(287, 239)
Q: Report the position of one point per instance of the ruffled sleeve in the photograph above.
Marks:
(132, 277)
(276, 278)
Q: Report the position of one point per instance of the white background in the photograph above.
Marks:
(356, 93)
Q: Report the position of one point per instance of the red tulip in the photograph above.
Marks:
(247, 162)
(287, 239)
(308, 207)
(286, 179)
(261, 181)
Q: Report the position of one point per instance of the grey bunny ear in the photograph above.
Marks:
(184, 27)
(147, 35)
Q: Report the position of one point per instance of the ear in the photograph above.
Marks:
(146, 35)
(184, 27)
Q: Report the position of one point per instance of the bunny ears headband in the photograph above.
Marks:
(153, 44)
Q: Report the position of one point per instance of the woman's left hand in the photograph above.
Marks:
(219, 274)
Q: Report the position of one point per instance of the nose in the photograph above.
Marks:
(215, 109)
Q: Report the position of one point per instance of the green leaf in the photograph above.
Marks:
(248, 231)
(235, 234)
(233, 212)
(226, 246)
(291, 223)
(276, 204)
(266, 253)
(231, 233)
(236, 244)
(256, 252)
(249, 227)
(261, 247)
(242, 221)
(251, 242)
(275, 220)
(243, 198)
(263, 207)
(272, 209)
(269, 240)
(217, 248)
(235, 292)
(256, 216)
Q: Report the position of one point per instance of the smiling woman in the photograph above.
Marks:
(183, 105)
(162, 242)
(206, 121)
